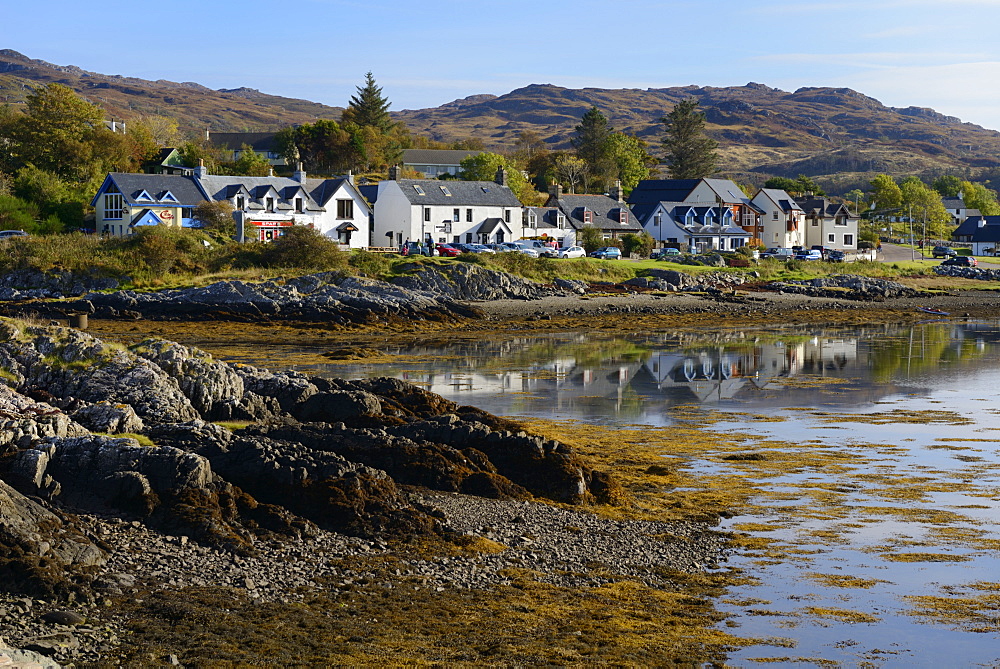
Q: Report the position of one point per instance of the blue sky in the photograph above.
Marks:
(924, 53)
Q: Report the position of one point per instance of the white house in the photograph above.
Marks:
(480, 212)
(981, 233)
(696, 214)
(782, 219)
(607, 213)
(263, 207)
(829, 224)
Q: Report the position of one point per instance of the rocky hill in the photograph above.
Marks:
(194, 106)
(838, 133)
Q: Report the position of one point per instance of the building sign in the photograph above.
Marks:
(166, 215)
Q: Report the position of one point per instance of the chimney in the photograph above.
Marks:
(501, 177)
(617, 193)
(300, 174)
(208, 135)
(350, 177)
(270, 171)
(555, 190)
(200, 171)
(982, 221)
(394, 173)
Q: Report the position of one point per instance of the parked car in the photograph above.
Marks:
(943, 252)
(481, 248)
(448, 250)
(809, 254)
(961, 261)
(668, 253)
(571, 252)
(608, 253)
(7, 234)
(833, 255)
(779, 253)
(822, 250)
(529, 251)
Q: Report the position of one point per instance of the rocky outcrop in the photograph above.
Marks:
(467, 281)
(319, 453)
(979, 273)
(848, 287)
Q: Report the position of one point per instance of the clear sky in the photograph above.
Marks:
(925, 53)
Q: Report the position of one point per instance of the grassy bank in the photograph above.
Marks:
(162, 258)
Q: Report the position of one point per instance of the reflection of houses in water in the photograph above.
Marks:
(709, 374)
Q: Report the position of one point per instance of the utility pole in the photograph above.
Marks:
(909, 218)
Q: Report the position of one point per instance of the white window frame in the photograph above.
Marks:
(113, 206)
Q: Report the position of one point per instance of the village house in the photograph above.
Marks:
(432, 163)
(545, 224)
(828, 224)
(982, 233)
(261, 143)
(263, 207)
(957, 208)
(782, 219)
(607, 213)
(696, 215)
(429, 210)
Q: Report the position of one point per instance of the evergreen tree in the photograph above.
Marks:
(368, 107)
(591, 144)
(690, 154)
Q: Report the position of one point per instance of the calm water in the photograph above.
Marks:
(821, 387)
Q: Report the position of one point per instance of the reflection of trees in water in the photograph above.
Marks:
(925, 347)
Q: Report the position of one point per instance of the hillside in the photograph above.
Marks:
(816, 131)
(194, 106)
(836, 134)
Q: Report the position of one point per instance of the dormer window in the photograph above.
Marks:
(560, 220)
(269, 203)
(419, 189)
(298, 205)
(144, 197)
(167, 196)
(532, 219)
(241, 202)
(623, 216)
(588, 216)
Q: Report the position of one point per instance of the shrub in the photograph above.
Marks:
(370, 264)
(304, 248)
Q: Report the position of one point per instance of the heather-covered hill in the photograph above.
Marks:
(195, 107)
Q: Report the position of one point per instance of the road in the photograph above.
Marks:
(894, 253)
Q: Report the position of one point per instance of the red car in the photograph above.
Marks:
(448, 251)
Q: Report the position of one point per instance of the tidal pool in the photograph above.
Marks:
(874, 491)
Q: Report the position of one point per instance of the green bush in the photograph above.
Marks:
(304, 248)
(375, 265)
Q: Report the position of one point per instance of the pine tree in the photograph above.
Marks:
(368, 107)
(591, 144)
(690, 154)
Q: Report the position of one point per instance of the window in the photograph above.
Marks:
(532, 219)
(113, 205)
(144, 197)
(270, 203)
(427, 213)
(468, 217)
(658, 219)
(444, 189)
(298, 205)
(506, 215)
(623, 216)
(456, 215)
(830, 238)
(848, 240)
(840, 221)
(345, 208)
(814, 222)
(560, 220)
(588, 216)
(167, 196)
(419, 189)
(774, 215)
(241, 202)
(468, 237)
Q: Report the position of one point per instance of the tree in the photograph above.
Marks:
(782, 183)
(529, 145)
(484, 166)
(250, 163)
(641, 243)
(323, 146)
(216, 216)
(807, 185)
(590, 238)
(978, 196)
(886, 192)
(570, 169)
(948, 185)
(591, 144)
(924, 205)
(630, 159)
(368, 107)
(689, 153)
(857, 198)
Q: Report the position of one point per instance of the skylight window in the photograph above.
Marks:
(419, 189)
(444, 189)
(485, 189)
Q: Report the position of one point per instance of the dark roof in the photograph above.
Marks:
(970, 227)
(490, 224)
(435, 156)
(784, 201)
(821, 206)
(605, 210)
(259, 141)
(653, 191)
(370, 192)
(182, 187)
(463, 193)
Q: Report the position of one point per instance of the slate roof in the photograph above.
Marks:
(545, 217)
(259, 141)
(182, 187)
(490, 224)
(654, 191)
(605, 211)
(463, 193)
(784, 201)
(970, 228)
(435, 156)
(220, 187)
(821, 206)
